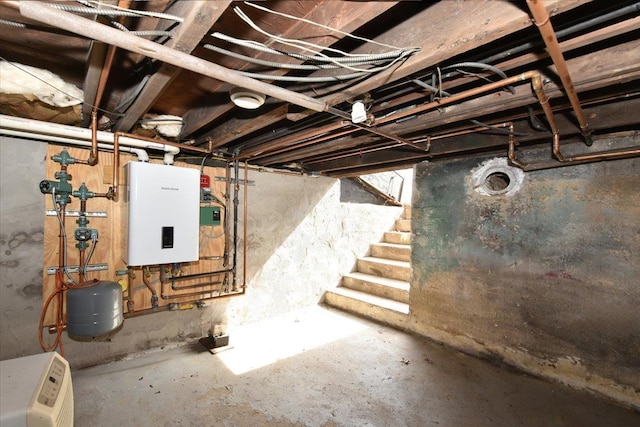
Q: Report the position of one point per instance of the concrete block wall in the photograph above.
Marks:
(301, 240)
(547, 279)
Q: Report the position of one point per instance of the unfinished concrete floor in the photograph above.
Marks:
(319, 367)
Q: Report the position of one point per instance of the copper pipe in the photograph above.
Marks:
(146, 282)
(165, 279)
(130, 289)
(229, 295)
(244, 226)
(14, 4)
(197, 285)
(102, 84)
(543, 22)
(511, 155)
(384, 146)
(138, 313)
(422, 108)
(538, 88)
(165, 296)
(461, 96)
(193, 294)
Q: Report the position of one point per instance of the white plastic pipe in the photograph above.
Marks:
(34, 127)
(142, 155)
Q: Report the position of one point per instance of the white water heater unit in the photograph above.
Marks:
(162, 207)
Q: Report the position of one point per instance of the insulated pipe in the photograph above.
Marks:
(142, 155)
(82, 134)
(543, 22)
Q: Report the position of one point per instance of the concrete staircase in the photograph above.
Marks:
(379, 288)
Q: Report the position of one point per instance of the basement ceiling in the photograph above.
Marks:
(422, 71)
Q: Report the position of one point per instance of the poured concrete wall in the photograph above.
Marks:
(301, 239)
(547, 279)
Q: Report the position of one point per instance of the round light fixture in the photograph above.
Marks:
(246, 99)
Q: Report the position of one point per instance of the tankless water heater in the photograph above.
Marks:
(162, 207)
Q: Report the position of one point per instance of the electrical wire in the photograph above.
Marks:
(114, 12)
(266, 49)
(273, 64)
(300, 44)
(12, 23)
(429, 87)
(481, 66)
(276, 78)
(290, 66)
(264, 9)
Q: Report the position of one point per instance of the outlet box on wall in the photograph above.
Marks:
(162, 208)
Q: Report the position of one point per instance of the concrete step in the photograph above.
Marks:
(403, 225)
(392, 269)
(383, 310)
(397, 290)
(391, 251)
(407, 212)
(398, 237)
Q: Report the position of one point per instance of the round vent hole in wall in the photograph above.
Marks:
(497, 177)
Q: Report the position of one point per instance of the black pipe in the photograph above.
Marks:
(634, 8)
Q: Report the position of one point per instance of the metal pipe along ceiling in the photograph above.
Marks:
(85, 27)
(543, 22)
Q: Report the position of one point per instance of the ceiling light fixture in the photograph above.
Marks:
(247, 99)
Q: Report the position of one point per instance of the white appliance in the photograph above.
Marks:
(36, 391)
(162, 206)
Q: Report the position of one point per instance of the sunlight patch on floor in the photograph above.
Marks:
(261, 344)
